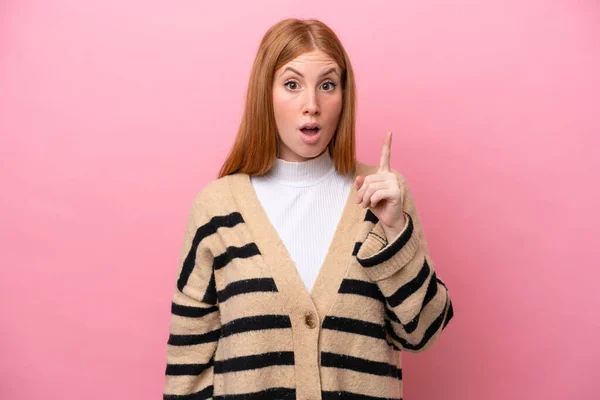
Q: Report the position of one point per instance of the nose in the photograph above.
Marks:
(311, 103)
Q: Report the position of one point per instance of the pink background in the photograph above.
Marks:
(114, 114)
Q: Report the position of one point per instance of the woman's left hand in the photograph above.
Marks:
(381, 193)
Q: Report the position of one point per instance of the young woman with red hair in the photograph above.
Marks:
(304, 273)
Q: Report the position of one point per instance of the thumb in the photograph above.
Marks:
(359, 182)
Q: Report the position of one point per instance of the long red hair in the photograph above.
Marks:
(255, 146)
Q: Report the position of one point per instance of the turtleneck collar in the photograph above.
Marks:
(304, 173)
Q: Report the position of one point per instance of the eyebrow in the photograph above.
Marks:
(323, 74)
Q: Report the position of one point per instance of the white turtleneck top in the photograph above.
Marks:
(304, 202)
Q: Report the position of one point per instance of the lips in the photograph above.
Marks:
(310, 125)
(310, 128)
(310, 135)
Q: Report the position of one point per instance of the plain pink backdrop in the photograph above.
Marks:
(114, 114)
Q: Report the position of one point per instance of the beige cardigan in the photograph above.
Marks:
(243, 325)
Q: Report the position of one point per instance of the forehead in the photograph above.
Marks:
(315, 60)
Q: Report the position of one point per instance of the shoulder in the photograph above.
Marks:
(213, 191)
(216, 197)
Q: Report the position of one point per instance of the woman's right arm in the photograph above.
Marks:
(195, 320)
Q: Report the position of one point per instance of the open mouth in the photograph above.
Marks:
(310, 136)
(310, 131)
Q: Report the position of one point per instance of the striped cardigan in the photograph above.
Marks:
(243, 325)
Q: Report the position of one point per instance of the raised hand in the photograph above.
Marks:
(381, 193)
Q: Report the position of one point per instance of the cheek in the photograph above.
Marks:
(334, 107)
(282, 107)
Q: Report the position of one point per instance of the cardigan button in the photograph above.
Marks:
(310, 321)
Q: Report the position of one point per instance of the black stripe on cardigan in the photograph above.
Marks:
(204, 394)
(267, 394)
(246, 286)
(412, 286)
(432, 289)
(391, 315)
(361, 288)
(442, 283)
(355, 326)
(189, 340)
(210, 296)
(352, 396)
(429, 332)
(449, 315)
(356, 248)
(188, 369)
(369, 216)
(246, 363)
(393, 248)
(210, 228)
(232, 252)
(358, 364)
(256, 323)
(191, 312)
(369, 289)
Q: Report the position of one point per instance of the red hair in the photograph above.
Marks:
(255, 146)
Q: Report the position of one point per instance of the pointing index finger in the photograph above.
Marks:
(384, 163)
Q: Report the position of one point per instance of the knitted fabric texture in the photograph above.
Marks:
(243, 325)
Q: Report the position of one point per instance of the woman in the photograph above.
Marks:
(304, 273)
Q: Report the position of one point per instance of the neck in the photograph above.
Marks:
(304, 173)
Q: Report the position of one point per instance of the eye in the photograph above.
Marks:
(331, 84)
(291, 82)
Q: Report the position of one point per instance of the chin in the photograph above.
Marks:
(300, 151)
(311, 153)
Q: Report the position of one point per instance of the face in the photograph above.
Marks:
(306, 90)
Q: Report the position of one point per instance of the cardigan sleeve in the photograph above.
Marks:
(195, 318)
(418, 304)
